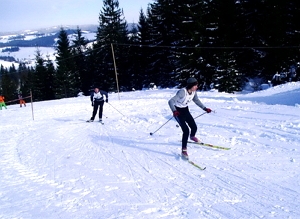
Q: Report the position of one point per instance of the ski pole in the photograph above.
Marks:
(200, 115)
(116, 109)
(151, 133)
(194, 118)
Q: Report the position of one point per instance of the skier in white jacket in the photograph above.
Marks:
(97, 99)
(179, 106)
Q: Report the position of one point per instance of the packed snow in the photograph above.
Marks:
(55, 165)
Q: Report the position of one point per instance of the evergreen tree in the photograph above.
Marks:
(28, 85)
(8, 83)
(65, 78)
(112, 31)
(250, 17)
(80, 68)
(161, 18)
(23, 74)
(281, 34)
(40, 77)
(138, 54)
(134, 65)
(2, 72)
(223, 36)
(49, 83)
(92, 68)
(189, 32)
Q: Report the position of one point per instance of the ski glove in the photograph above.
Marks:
(207, 110)
(176, 113)
(92, 103)
(106, 100)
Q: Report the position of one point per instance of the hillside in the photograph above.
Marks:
(59, 166)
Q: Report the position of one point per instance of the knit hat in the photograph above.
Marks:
(191, 82)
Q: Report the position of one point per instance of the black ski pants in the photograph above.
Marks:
(186, 122)
(98, 104)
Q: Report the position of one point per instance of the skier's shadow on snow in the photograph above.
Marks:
(130, 143)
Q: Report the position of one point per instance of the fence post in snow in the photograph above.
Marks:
(31, 105)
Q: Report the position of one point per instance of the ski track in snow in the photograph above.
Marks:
(59, 166)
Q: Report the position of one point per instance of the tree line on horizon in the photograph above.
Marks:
(222, 43)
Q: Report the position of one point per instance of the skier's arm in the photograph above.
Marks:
(92, 97)
(179, 95)
(104, 93)
(198, 102)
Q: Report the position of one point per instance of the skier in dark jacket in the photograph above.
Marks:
(179, 106)
(97, 98)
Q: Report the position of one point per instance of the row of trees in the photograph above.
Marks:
(224, 42)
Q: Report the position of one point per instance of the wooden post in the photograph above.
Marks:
(31, 105)
(113, 54)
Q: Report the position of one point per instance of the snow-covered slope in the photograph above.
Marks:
(59, 166)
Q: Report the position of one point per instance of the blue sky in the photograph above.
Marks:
(29, 14)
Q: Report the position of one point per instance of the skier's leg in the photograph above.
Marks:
(185, 129)
(95, 109)
(101, 109)
(192, 124)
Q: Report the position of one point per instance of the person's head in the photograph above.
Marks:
(192, 84)
(96, 89)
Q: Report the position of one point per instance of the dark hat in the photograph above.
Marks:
(191, 82)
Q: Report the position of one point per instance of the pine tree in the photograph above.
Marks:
(189, 32)
(138, 54)
(79, 48)
(23, 74)
(223, 34)
(163, 62)
(250, 17)
(40, 76)
(8, 83)
(281, 34)
(65, 79)
(49, 83)
(133, 69)
(28, 85)
(112, 31)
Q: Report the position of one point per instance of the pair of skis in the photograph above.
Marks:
(203, 144)
(93, 121)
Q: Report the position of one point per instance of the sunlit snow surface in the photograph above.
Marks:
(59, 166)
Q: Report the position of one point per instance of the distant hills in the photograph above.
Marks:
(44, 37)
(19, 46)
(92, 27)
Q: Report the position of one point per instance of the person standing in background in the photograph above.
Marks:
(21, 100)
(2, 103)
